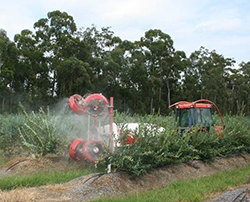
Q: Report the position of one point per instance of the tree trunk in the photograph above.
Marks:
(168, 88)
(160, 88)
(53, 84)
(151, 105)
(160, 91)
(3, 105)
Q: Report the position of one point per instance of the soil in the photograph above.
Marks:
(101, 185)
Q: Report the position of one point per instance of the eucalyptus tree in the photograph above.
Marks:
(235, 86)
(112, 72)
(245, 86)
(32, 71)
(8, 62)
(162, 70)
(102, 41)
(106, 59)
(54, 36)
(133, 78)
(206, 76)
(73, 77)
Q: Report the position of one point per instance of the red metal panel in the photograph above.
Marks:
(188, 105)
(73, 148)
(76, 104)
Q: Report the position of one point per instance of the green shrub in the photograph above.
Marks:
(39, 133)
(204, 145)
(236, 136)
(154, 148)
(9, 135)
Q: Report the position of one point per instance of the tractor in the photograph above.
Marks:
(197, 113)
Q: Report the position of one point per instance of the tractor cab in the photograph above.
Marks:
(198, 113)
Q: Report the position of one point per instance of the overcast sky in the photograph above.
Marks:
(221, 25)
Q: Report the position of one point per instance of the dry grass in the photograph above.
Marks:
(47, 193)
(29, 195)
(19, 195)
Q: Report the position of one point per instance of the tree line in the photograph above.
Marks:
(56, 60)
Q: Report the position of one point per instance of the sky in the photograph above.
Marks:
(220, 25)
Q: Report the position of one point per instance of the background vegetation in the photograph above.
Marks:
(41, 67)
(45, 133)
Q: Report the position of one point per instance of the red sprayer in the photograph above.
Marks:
(97, 109)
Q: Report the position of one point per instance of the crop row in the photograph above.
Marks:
(43, 133)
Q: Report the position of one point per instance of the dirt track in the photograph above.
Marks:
(114, 184)
(241, 194)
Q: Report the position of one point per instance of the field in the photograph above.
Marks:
(36, 140)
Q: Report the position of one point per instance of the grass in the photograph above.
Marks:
(192, 190)
(38, 179)
(3, 159)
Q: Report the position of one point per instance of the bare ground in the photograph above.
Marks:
(99, 185)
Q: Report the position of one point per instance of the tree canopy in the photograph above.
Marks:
(57, 60)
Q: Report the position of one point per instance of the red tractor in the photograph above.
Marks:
(198, 113)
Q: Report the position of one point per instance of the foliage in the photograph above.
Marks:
(57, 60)
(10, 141)
(44, 133)
(39, 133)
(153, 148)
(205, 145)
(236, 138)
